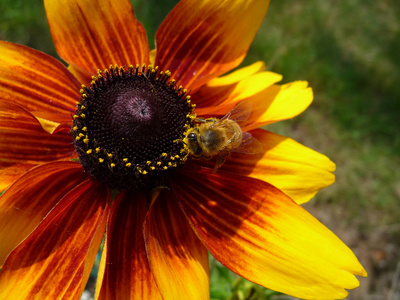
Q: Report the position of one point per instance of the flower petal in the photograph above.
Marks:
(36, 81)
(298, 171)
(10, 172)
(28, 200)
(83, 76)
(261, 234)
(125, 272)
(237, 75)
(54, 262)
(214, 93)
(279, 102)
(177, 258)
(24, 143)
(93, 35)
(200, 40)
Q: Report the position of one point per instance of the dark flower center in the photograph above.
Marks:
(129, 127)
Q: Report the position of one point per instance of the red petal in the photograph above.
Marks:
(27, 201)
(178, 259)
(96, 34)
(200, 40)
(125, 272)
(24, 143)
(36, 81)
(54, 262)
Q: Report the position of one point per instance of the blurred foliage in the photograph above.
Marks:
(349, 53)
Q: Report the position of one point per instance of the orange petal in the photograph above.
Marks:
(298, 171)
(28, 200)
(36, 81)
(93, 35)
(10, 172)
(54, 262)
(124, 272)
(200, 40)
(261, 234)
(83, 76)
(178, 259)
(24, 142)
(279, 102)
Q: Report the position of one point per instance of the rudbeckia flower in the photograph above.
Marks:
(97, 148)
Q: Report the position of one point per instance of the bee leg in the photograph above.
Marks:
(202, 120)
(220, 160)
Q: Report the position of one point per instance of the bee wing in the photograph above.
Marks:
(249, 145)
(240, 113)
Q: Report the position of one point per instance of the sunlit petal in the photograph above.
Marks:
(96, 34)
(279, 102)
(177, 258)
(125, 273)
(298, 171)
(36, 81)
(27, 201)
(200, 40)
(261, 234)
(219, 97)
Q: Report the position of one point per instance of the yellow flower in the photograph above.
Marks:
(127, 131)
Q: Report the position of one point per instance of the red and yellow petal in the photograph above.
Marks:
(298, 171)
(54, 262)
(279, 102)
(29, 200)
(93, 35)
(200, 40)
(218, 93)
(124, 271)
(261, 234)
(177, 258)
(25, 143)
(36, 81)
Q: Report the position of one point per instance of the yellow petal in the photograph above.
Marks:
(124, 270)
(200, 40)
(54, 262)
(279, 102)
(178, 259)
(261, 234)
(298, 171)
(217, 99)
(237, 75)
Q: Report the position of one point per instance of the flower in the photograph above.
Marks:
(127, 130)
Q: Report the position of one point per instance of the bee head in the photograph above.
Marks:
(192, 141)
(192, 137)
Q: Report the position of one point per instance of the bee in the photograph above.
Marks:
(218, 137)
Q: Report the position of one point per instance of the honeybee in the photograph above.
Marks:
(218, 137)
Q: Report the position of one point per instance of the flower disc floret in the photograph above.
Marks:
(129, 126)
